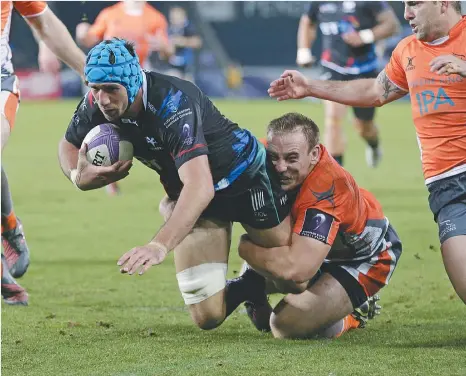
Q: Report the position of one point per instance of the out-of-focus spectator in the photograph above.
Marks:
(132, 20)
(183, 36)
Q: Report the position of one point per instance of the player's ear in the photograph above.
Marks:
(315, 154)
(444, 6)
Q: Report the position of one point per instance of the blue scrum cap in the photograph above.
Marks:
(110, 61)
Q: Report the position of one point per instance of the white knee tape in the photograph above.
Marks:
(202, 281)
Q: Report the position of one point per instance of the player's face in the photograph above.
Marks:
(423, 17)
(177, 16)
(111, 98)
(291, 157)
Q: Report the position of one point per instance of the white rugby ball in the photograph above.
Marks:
(105, 147)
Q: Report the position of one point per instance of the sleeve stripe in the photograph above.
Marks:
(197, 146)
(398, 86)
(37, 14)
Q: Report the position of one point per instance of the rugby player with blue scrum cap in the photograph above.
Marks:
(213, 171)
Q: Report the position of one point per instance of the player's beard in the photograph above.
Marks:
(111, 114)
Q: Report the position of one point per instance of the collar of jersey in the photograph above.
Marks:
(454, 31)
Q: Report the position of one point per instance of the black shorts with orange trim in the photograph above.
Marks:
(363, 279)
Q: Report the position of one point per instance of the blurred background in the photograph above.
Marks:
(241, 46)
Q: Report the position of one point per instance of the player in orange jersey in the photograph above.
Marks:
(341, 241)
(132, 20)
(54, 39)
(431, 66)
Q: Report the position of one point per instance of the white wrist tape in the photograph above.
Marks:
(367, 36)
(73, 176)
(304, 56)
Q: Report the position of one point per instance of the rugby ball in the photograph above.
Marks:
(105, 146)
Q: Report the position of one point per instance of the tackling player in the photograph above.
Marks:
(341, 240)
(213, 171)
(55, 39)
(431, 66)
(349, 32)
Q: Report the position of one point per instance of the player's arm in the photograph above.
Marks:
(307, 31)
(72, 156)
(84, 175)
(67, 157)
(197, 192)
(298, 262)
(158, 38)
(185, 141)
(54, 34)
(387, 24)
(194, 41)
(191, 39)
(370, 92)
(88, 35)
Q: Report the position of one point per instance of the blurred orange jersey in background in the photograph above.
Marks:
(116, 21)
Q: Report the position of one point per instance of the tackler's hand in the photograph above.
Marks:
(291, 85)
(448, 64)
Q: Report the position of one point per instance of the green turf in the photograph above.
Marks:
(85, 318)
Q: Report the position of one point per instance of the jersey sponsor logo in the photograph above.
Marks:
(152, 108)
(283, 200)
(171, 103)
(329, 28)
(130, 121)
(75, 119)
(317, 225)
(349, 6)
(257, 199)
(429, 101)
(186, 135)
(177, 116)
(222, 184)
(326, 195)
(328, 8)
(151, 163)
(153, 145)
(446, 227)
(410, 65)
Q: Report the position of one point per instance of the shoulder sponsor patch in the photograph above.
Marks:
(317, 225)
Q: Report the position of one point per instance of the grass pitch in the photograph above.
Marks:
(85, 318)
